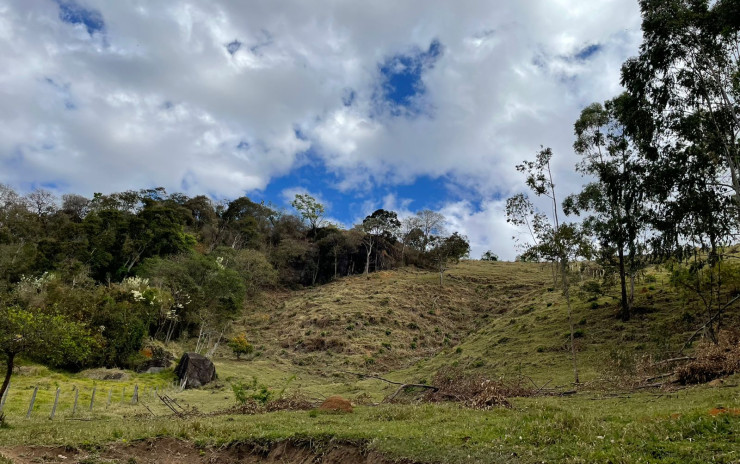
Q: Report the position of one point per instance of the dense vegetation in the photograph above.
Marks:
(122, 267)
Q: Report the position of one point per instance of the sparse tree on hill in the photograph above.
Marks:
(489, 256)
(560, 242)
(380, 226)
(310, 210)
(447, 250)
(616, 200)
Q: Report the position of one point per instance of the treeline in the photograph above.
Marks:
(146, 263)
(663, 163)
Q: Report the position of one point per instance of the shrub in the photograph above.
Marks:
(239, 345)
(243, 392)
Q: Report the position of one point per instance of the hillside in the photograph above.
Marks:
(495, 318)
(501, 320)
(389, 319)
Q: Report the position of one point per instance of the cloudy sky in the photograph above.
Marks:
(404, 105)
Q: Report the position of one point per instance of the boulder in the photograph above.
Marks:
(336, 403)
(195, 370)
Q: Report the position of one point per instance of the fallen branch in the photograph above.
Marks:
(652, 385)
(543, 386)
(169, 402)
(403, 384)
(409, 385)
(661, 376)
(681, 358)
(711, 319)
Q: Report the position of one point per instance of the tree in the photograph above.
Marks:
(380, 226)
(558, 242)
(310, 210)
(410, 227)
(685, 84)
(42, 203)
(430, 223)
(685, 79)
(76, 206)
(42, 336)
(489, 256)
(447, 250)
(617, 199)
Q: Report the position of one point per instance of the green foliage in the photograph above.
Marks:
(309, 208)
(489, 256)
(239, 345)
(246, 391)
(45, 336)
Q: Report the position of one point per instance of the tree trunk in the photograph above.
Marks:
(566, 291)
(367, 260)
(624, 313)
(8, 373)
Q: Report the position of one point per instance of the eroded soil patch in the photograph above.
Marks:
(172, 451)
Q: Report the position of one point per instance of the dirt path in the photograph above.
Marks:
(173, 451)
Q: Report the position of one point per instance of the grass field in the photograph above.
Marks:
(502, 320)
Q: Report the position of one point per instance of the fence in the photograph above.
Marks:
(71, 401)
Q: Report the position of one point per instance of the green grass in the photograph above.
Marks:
(498, 319)
(584, 428)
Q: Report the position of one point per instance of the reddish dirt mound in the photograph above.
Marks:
(721, 410)
(173, 451)
(336, 403)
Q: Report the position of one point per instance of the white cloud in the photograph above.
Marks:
(157, 99)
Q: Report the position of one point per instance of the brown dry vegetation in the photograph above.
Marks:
(390, 319)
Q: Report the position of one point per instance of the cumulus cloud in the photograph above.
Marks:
(221, 97)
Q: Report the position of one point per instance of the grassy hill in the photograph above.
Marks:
(501, 320)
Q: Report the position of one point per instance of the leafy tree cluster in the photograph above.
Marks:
(663, 163)
(114, 269)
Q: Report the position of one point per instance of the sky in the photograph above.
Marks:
(403, 105)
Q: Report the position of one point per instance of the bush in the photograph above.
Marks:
(243, 392)
(239, 345)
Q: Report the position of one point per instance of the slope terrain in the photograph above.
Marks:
(500, 320)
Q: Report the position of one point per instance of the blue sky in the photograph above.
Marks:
(401, 105)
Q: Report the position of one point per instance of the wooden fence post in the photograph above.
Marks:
(54, 408)
(77, 397)
(135, 396)
(92, 398)
(33, 400)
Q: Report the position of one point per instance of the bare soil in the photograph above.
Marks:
(174, 451)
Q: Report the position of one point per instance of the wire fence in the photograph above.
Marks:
(70, 401)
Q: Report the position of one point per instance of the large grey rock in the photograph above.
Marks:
(195, 370)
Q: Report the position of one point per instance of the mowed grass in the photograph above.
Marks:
(643, 427)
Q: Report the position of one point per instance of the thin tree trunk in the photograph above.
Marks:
(566, 290)
(8, 373)
(367, 260)
(624, 313)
